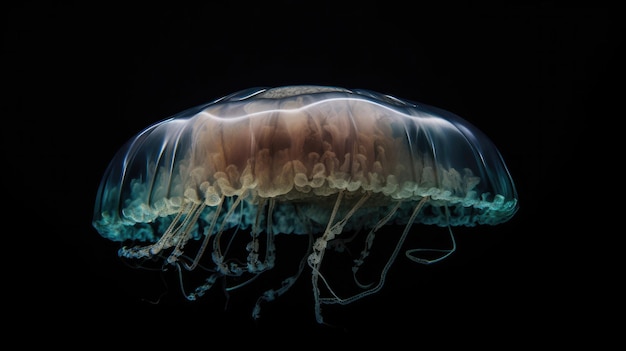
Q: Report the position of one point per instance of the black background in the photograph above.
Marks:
(81, 80)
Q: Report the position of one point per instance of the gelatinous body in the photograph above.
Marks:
(311, 160)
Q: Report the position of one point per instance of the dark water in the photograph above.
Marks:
(80, 85)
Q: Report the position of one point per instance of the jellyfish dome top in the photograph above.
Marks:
(302, 160)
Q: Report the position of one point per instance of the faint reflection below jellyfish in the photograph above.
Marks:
(314, 160)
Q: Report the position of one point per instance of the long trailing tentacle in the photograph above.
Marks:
(344, 301)
(207, 236)
(319, 247)
(369, 241)
(447, 252)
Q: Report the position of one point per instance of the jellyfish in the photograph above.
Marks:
(320, 161)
